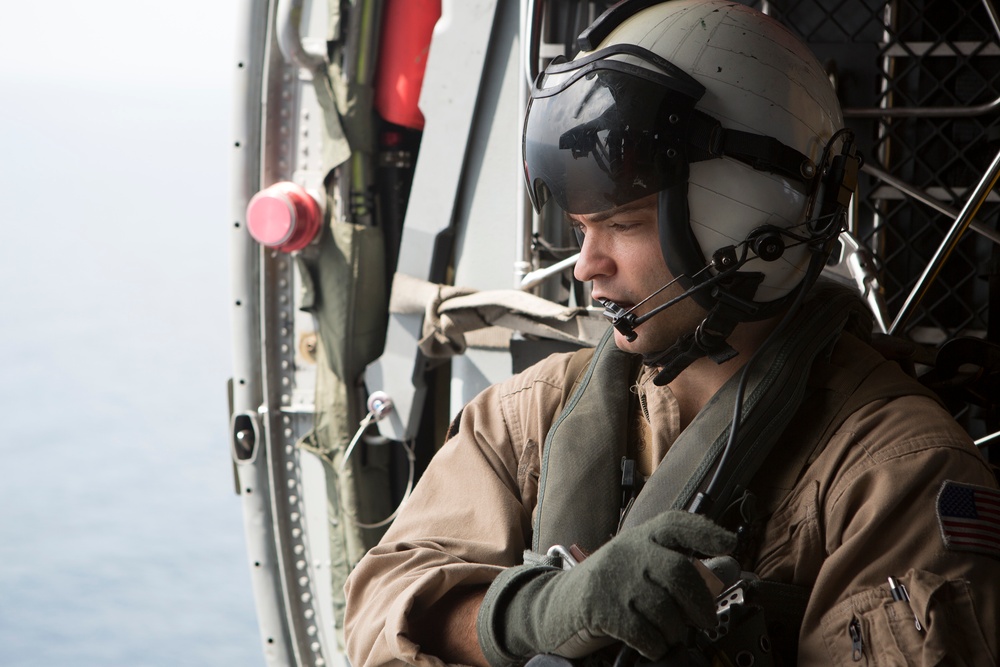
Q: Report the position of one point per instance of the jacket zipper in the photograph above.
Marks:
(642, 404)
(857, 644)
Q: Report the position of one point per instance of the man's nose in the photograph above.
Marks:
(594, 261)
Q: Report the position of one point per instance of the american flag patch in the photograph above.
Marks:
(969, 517)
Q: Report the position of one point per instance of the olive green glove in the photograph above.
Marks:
(637, 589)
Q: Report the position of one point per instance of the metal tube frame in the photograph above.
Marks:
(962, 223)
(524, 214)
(935, 112)
(287, 22)
(924, 198)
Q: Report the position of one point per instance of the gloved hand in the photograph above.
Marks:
(638, 589)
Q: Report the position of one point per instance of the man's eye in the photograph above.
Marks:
(622, 227)
(579, 231)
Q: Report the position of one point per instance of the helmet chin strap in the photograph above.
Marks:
(728, 302)
(733, 305)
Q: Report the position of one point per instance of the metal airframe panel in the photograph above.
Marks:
(449, 101)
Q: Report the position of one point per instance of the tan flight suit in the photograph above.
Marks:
(863, 510)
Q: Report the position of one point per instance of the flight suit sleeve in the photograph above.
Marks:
(870, 509)
(469, 517)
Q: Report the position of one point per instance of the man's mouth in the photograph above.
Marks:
(624, 304)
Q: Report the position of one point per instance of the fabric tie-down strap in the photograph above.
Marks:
(460, 317)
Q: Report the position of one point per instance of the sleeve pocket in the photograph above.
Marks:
(872, 629)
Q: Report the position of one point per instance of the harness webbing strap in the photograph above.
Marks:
(775, 392)
(579, 503)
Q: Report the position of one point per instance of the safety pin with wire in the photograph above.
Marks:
(379, 404)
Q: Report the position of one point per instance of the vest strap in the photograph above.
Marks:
(587, 443)
(774, 393)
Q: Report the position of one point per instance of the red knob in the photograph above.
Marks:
(284, 216)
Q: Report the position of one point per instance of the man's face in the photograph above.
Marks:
(621, 255)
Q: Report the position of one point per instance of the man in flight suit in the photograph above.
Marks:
(734, 409)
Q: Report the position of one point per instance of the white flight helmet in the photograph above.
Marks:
(720, 110)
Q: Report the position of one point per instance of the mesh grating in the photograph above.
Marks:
(928, 53)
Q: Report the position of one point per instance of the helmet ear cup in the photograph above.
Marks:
(767, 243)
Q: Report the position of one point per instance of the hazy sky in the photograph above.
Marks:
(121, 542)
(181, 44)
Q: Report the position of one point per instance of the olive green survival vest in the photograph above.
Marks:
(806, 384)
(798, 394)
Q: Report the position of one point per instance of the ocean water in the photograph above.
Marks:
(121, 539)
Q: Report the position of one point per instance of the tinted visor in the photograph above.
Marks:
(600, 132)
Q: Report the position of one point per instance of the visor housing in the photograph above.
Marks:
(601, 132)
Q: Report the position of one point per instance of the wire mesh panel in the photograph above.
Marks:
(917, 80)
